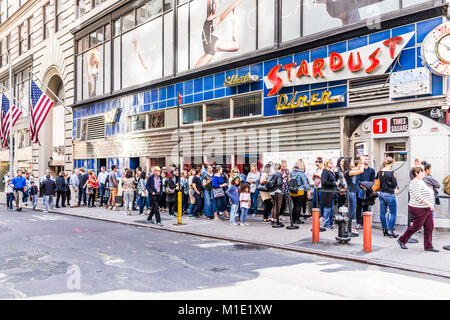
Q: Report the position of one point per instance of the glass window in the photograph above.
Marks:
(266, 23)
(247, 106)
(378, 8)
(29, 33)
(168, 44)
(117, 59)
(156, 120)
(85, 42)
(290, 19)
(193, 114)
(100, 35)
(80, 8)
(107, 67)
(218, 110)
(396, 150)
(143, 62)
(46, 31)
(93, 39)
(59, 10)
(409, 3)
(149, 10)
(22, 39)
(107, 32)
(168, 5)
(138, 122)
(128, 21)
(183, 38)
(79, 77)
(117, 27)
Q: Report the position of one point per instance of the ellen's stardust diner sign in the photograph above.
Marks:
(374, 59)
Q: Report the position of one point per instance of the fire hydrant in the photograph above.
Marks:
(342, 219)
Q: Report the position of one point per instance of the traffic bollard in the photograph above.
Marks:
(180, 210)
(367, 225)
(315, 225)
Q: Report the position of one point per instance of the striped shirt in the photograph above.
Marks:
(419, 191)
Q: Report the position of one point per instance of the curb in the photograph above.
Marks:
(317, 252)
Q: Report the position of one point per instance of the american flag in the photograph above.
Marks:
(5, 118)
(41, 104)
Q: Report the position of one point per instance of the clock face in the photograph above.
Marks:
(436, 50)
(443, 49)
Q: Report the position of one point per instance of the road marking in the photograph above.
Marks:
(51, 218)
(107, 259)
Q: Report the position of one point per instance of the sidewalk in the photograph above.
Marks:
(384, 250)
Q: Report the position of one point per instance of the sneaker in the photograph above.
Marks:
(150, 221)
(242, 224)
(432, 250)
(267, 221)
(246, 223)
(233, 223)
(114, 209)
(160, 224)
(253, 215)
(34, 207)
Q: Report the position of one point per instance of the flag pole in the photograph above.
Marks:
(15, 99)
(11, 146)
(62, 103)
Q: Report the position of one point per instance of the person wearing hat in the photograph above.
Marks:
(154, 188)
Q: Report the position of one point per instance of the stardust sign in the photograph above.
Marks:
(374, 59)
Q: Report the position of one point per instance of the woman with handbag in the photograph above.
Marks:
(300, 195)
(128, 186)
(275, 187)
(171, 188)
(219, 182)
(143, 193)
(387, 196)
(92, 185)
(264, 192)
(342, 187)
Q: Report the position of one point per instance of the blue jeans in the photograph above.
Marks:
(388, 200)
(233, 212)
(352, 204)
(82, 194)
(255, 201)
(244, 212)
(9, 200)
(101, 190)
(48, 202)
(328, 217)
(316, 197)
(208, 203)
(144, 201)
(34, 199)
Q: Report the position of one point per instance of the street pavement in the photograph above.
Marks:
(384, 249)
(54, 256)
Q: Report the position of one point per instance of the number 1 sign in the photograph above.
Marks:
(379, 126)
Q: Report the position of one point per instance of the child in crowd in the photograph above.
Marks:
(245, 200)
(33, 192)
(9, 194)
(233, 194)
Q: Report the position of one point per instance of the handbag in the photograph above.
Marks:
(261, 187)
(90, 190)
(218, 193)
(377, 184)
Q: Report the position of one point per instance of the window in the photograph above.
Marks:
(156, 120)
(58, 18)
(138, 122)
(193, 114)
(8, 47)
(93, 64)
(2, 55)
(266, 24)
(149, 10)
(128, 21)
(290, 19)
(21, 88)
(97, 3)
(80, 8)
(29, 34)
(218, 110)
(247, 106)
(46, 19)
(23, 139)
(22, 39)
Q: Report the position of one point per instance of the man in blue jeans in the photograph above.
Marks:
(102, 176)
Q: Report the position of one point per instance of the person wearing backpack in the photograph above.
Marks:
(275, 185)
(298, 188)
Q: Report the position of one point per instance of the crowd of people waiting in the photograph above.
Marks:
(216, 193)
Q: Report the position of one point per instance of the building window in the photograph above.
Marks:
(21, 88)
(156, 120)
(23, 139)
(80, 8)
(2, 55)
(58, 15)
(193, 114)
(247, 106)
(29, 34)
(22, 39)
(46, 20)
(138, 122)
(97, 3)
(218, 110)
(8, 47)
(93, 64)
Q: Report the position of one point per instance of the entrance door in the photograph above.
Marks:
(399, 150)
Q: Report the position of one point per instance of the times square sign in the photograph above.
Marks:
(374, 59)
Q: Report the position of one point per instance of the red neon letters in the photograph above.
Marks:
(335, 64)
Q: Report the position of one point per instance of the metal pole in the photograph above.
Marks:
(60, 101)
(11, 147)
(179, 193)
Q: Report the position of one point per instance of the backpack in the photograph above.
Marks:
(446, 184)
(270, 182)
(293, 186)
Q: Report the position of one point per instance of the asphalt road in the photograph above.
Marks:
(50, 256)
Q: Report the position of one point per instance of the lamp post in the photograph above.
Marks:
(11, 151)
(179, 193)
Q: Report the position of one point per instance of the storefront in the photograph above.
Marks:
(243, 107)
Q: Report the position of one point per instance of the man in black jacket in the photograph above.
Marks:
(61, 188)
(48, 189)
(82, 178)
(154, 187)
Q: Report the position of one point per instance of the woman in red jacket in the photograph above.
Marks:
(92, 186)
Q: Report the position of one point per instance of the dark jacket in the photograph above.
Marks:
(328, 185)
(48, 187)
(61, 184)
(83, 178)
(277, 179)
(33, 190)
(150, 185)
(171, 184)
